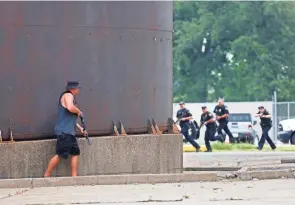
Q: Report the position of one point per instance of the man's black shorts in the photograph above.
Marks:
(66, 145)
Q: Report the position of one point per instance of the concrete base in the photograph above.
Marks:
(140, 154)
(145, 178)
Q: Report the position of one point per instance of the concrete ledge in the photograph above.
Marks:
(220, 168)
(288, 160)
(137, 154)
(107, 180)
(145, 178)
(272, 167)
(265, 174)
(260, 162)
(16, 183)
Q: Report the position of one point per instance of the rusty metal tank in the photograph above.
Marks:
(120, 52)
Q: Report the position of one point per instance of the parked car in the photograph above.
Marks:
(286, 130)
(241, 126)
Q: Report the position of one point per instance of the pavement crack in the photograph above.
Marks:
(16, 193)
(230, 199)
(115, 202)
(120, 202)
(47, 204)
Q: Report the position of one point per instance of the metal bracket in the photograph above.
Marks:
(118, 132)
(115, 132)
(153, 127)
(156, 127)
(172, 128)
(122, 130)
(10, 134)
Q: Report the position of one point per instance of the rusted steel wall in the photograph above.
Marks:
(121, 52)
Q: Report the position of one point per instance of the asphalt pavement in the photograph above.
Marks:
(264, 192)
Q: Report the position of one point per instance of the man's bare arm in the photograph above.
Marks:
(68, 103)
(79, 126)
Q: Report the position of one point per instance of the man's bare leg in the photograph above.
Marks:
(74, 165)
(52, 164)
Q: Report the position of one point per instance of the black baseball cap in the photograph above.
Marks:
(181, 103)
(260, 107)
(72, 85)
(203, 107)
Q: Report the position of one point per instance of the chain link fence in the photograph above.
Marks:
(281, 111)
(285, 110)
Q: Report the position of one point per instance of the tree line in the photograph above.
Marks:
(241, 51)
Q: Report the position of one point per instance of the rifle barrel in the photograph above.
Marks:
(84, 127)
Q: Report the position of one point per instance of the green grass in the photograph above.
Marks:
(248, 147)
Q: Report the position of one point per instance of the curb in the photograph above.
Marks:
(287, 160)
(265, 174)
(190, 148)
(144, 179)
(219, 168)
(107, 180)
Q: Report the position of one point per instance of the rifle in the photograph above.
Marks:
(177, 121)
(201, 125)
(84, 127)
(180, 118)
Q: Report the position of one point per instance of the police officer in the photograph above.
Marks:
(184, 116)
(266, 124)
(222, 113)
(208, 120)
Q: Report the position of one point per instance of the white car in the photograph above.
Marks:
(241, 126)
(286, 132)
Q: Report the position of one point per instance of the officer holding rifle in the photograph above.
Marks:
(266, 124)
(184, 116)
(208, 120)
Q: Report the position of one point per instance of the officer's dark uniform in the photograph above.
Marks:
(197, 129)
(186, 125)
(211, 130)
(266, 125)
(219, 111)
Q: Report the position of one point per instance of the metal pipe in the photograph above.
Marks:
(275, 116)
(111, 48)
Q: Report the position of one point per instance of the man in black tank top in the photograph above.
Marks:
(66, 124)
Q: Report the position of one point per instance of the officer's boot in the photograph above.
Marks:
(208, 146)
